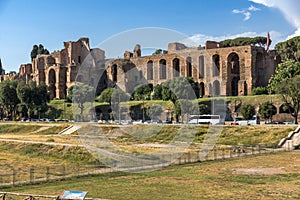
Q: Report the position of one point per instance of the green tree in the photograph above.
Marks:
(180, 88)
(267, 110)
(160, 51)
(157, 92)
(81, 94)
(241, 41)
(38, 50)
(34, 97)
(247, 111)
(105, 95)
(34, 51)
(284, 72)
(290, 94)
(290, 49)
(40, 98)
(8, 97)
(142, 92)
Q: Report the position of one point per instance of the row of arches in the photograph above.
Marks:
(59, 81)
(176, 68)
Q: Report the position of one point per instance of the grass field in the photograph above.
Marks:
(207, 180)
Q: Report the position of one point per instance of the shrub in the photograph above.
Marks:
(247, 111)
(259, 91)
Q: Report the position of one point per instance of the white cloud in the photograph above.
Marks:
(246, 13)
(253, 8)
(289, 8)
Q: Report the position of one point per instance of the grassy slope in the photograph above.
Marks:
(208, 180)
(60, 105)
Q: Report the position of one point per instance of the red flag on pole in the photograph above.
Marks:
(268, 42)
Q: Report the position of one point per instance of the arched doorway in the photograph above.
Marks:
(150, 70)
(216, 88)
(176, 67)
(233, 65)
(235, 86)
(201, 89)
(201, 66)
(162, 69)
(51, 83)
(216, 65)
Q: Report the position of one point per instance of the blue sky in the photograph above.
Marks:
(25, 23)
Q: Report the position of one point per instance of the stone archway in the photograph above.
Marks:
(201, 89)
(150, 70)
(162, 69)
(233, 67)
(216, 88)
(216, 65)
(176, 67)
(52, 83)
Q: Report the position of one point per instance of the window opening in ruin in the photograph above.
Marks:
(201, 66)
(176, 67)
(189, 67)
(216, 65)
(163, 70)
(150, 70)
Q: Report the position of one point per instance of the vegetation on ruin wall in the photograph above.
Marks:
(59, 108)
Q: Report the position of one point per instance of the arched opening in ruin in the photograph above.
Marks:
(189, 69)
(233, 66)
(162, 69)
(216, 88)
(259, 75)
(235, 86)
(51, 83)
(284, 108)
(150, 70)
(201, 66)
(234, 63)
(216, 65)
(201, 89)
(176, 67)
(114, 73)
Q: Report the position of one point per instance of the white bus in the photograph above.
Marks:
(205, 119)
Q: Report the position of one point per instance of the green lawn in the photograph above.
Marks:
(208, 180)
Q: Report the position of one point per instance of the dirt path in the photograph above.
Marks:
(38, 142)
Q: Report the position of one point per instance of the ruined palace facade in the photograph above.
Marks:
(230, 71)
(58, 70)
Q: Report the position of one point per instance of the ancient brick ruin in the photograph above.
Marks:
(230, 71)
